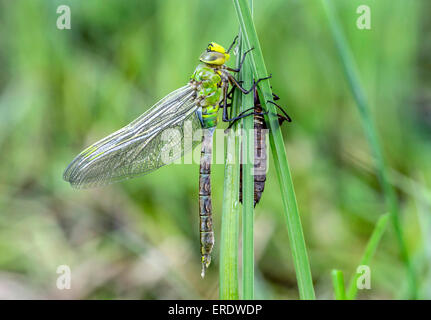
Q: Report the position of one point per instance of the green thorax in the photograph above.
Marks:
(208, 93)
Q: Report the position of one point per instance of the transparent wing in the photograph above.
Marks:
(154, 139)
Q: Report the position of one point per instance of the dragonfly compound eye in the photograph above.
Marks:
(215, 54)
(213, 58)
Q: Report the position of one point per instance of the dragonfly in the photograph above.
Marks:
(137, 149)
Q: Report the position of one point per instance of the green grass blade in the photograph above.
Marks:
(247, 187)
(229, 289)
(296, 237)
(368, 253)
(230, 224)
(338, 283)
(352, 77)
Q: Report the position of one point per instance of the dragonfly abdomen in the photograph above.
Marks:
(205, 206)
(207, 83)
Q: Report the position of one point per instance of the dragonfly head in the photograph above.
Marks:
(215, 54)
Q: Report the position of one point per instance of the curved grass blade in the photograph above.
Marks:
(293, 221)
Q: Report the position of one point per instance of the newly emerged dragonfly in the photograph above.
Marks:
(138, 148)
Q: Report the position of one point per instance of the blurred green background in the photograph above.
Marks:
(61, 90)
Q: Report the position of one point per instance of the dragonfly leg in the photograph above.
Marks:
(224, 101)
(235, 83)
(241, 63)
(229, 96)
(230, 93)
(281, 118)
(233, 43)
(244, 115)
(224, 104)
(225, 115)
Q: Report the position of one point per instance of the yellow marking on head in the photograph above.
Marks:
(215, 54)
(213, 46)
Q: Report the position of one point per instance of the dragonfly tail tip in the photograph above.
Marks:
(203, 271)
(206, 260)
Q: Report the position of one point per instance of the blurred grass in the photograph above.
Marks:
(369, 252)
(338, 284)
(360, 97)
(61, 90)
